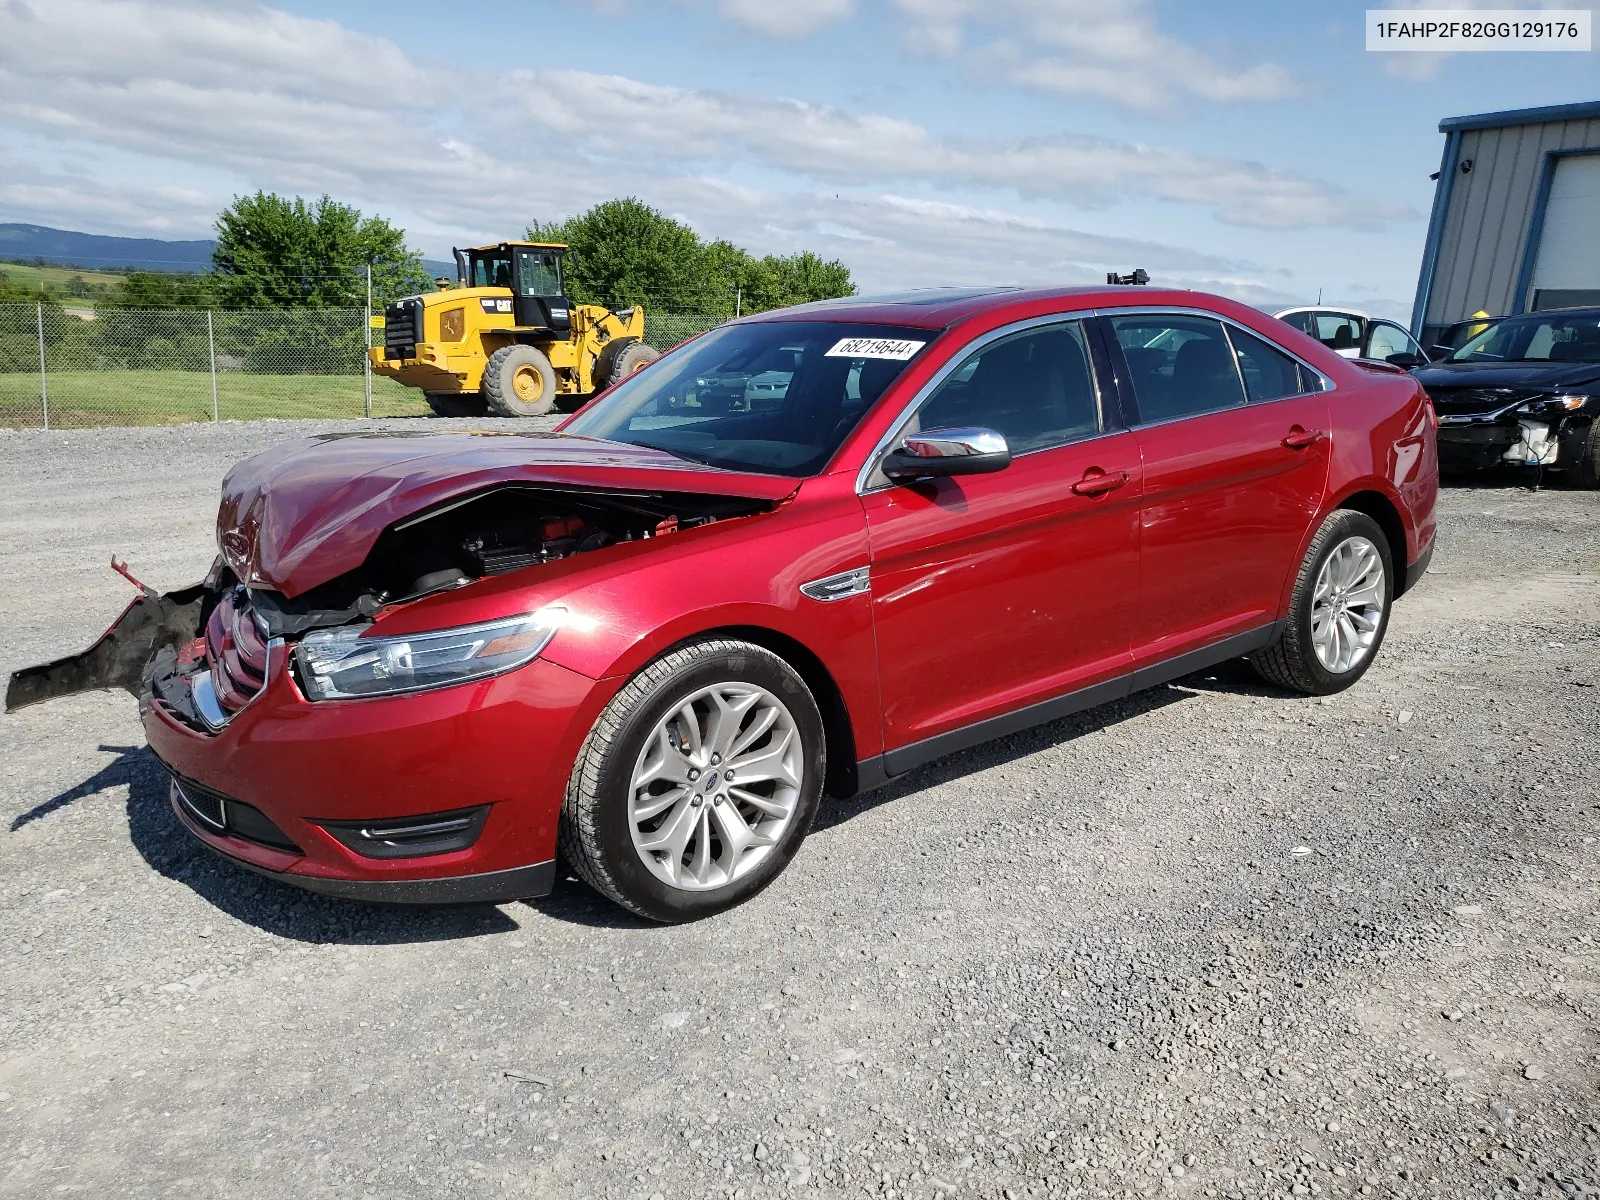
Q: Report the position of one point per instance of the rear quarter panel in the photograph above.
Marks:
(1384, 441)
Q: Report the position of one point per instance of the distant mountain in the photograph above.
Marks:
(94, 250)
(72, 249)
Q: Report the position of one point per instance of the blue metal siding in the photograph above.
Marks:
(1482, 240)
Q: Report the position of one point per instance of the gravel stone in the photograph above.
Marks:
(1067, 964)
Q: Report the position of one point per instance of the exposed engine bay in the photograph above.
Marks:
(203, 651)
(492, 533)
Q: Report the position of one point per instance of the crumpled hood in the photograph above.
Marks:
(308, 511)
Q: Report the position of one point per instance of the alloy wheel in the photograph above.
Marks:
(1347, 605)
(716, 786)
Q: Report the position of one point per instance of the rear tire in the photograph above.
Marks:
(456, 404)
(1339, 611)
(651, 819)
(630, 360)
(519, 382)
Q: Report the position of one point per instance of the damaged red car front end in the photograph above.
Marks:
(448, 790)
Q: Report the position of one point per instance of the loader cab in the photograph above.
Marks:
(532, 273)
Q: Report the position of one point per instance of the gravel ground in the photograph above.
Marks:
(1210, 941)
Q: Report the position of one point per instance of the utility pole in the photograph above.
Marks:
(738, 298)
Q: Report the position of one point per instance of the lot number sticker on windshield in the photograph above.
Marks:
(874, 348)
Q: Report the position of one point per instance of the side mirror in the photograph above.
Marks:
(1406, 359)
(940, 452)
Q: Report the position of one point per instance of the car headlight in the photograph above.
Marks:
(341, 664)
(1555, 405)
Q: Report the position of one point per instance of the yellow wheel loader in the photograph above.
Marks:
(505, 340)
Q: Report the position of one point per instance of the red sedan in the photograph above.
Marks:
(799, 555)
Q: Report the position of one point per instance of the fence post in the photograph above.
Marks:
(211, 346)
(44, 383)
(366, 341)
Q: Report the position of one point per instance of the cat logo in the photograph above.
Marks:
(491, 305)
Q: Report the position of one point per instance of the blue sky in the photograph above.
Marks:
(1251, 148)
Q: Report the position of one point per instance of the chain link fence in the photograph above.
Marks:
(61, 369)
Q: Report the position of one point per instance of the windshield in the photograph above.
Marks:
(538, 273)
(778, 397)
(1548, 337)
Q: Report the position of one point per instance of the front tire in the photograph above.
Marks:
(652, 819)
(1339, 611)
(1586, 471)
(519, 381)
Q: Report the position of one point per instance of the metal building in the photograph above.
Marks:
(1516, 216)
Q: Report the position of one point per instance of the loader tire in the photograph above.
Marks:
(519, 382)
(605, 363)
(630, 360)
(456, 404)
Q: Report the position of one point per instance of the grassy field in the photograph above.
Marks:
(55, 278)
(88, 398)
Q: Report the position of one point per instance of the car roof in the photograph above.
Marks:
(936, 308)
(1344, 310)
(1578, 310)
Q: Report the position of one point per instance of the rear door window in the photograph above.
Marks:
(1179, 365)
(1269, 373)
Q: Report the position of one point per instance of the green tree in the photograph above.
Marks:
(799, 279)
(163, 289)
(277, 252)
(625, 252)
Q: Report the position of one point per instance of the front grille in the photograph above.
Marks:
(236, 651)
(224, 814)
(402, 329)
(1454, 401)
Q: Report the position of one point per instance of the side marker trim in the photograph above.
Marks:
(839, 587)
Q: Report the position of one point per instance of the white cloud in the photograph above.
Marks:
(618, 116)
(1110, 49)
(787, 18)
(236, 97)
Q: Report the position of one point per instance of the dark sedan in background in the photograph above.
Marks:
(1525, 392)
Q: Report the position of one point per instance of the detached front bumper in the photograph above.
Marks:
(288, 787)
(1467, 443)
